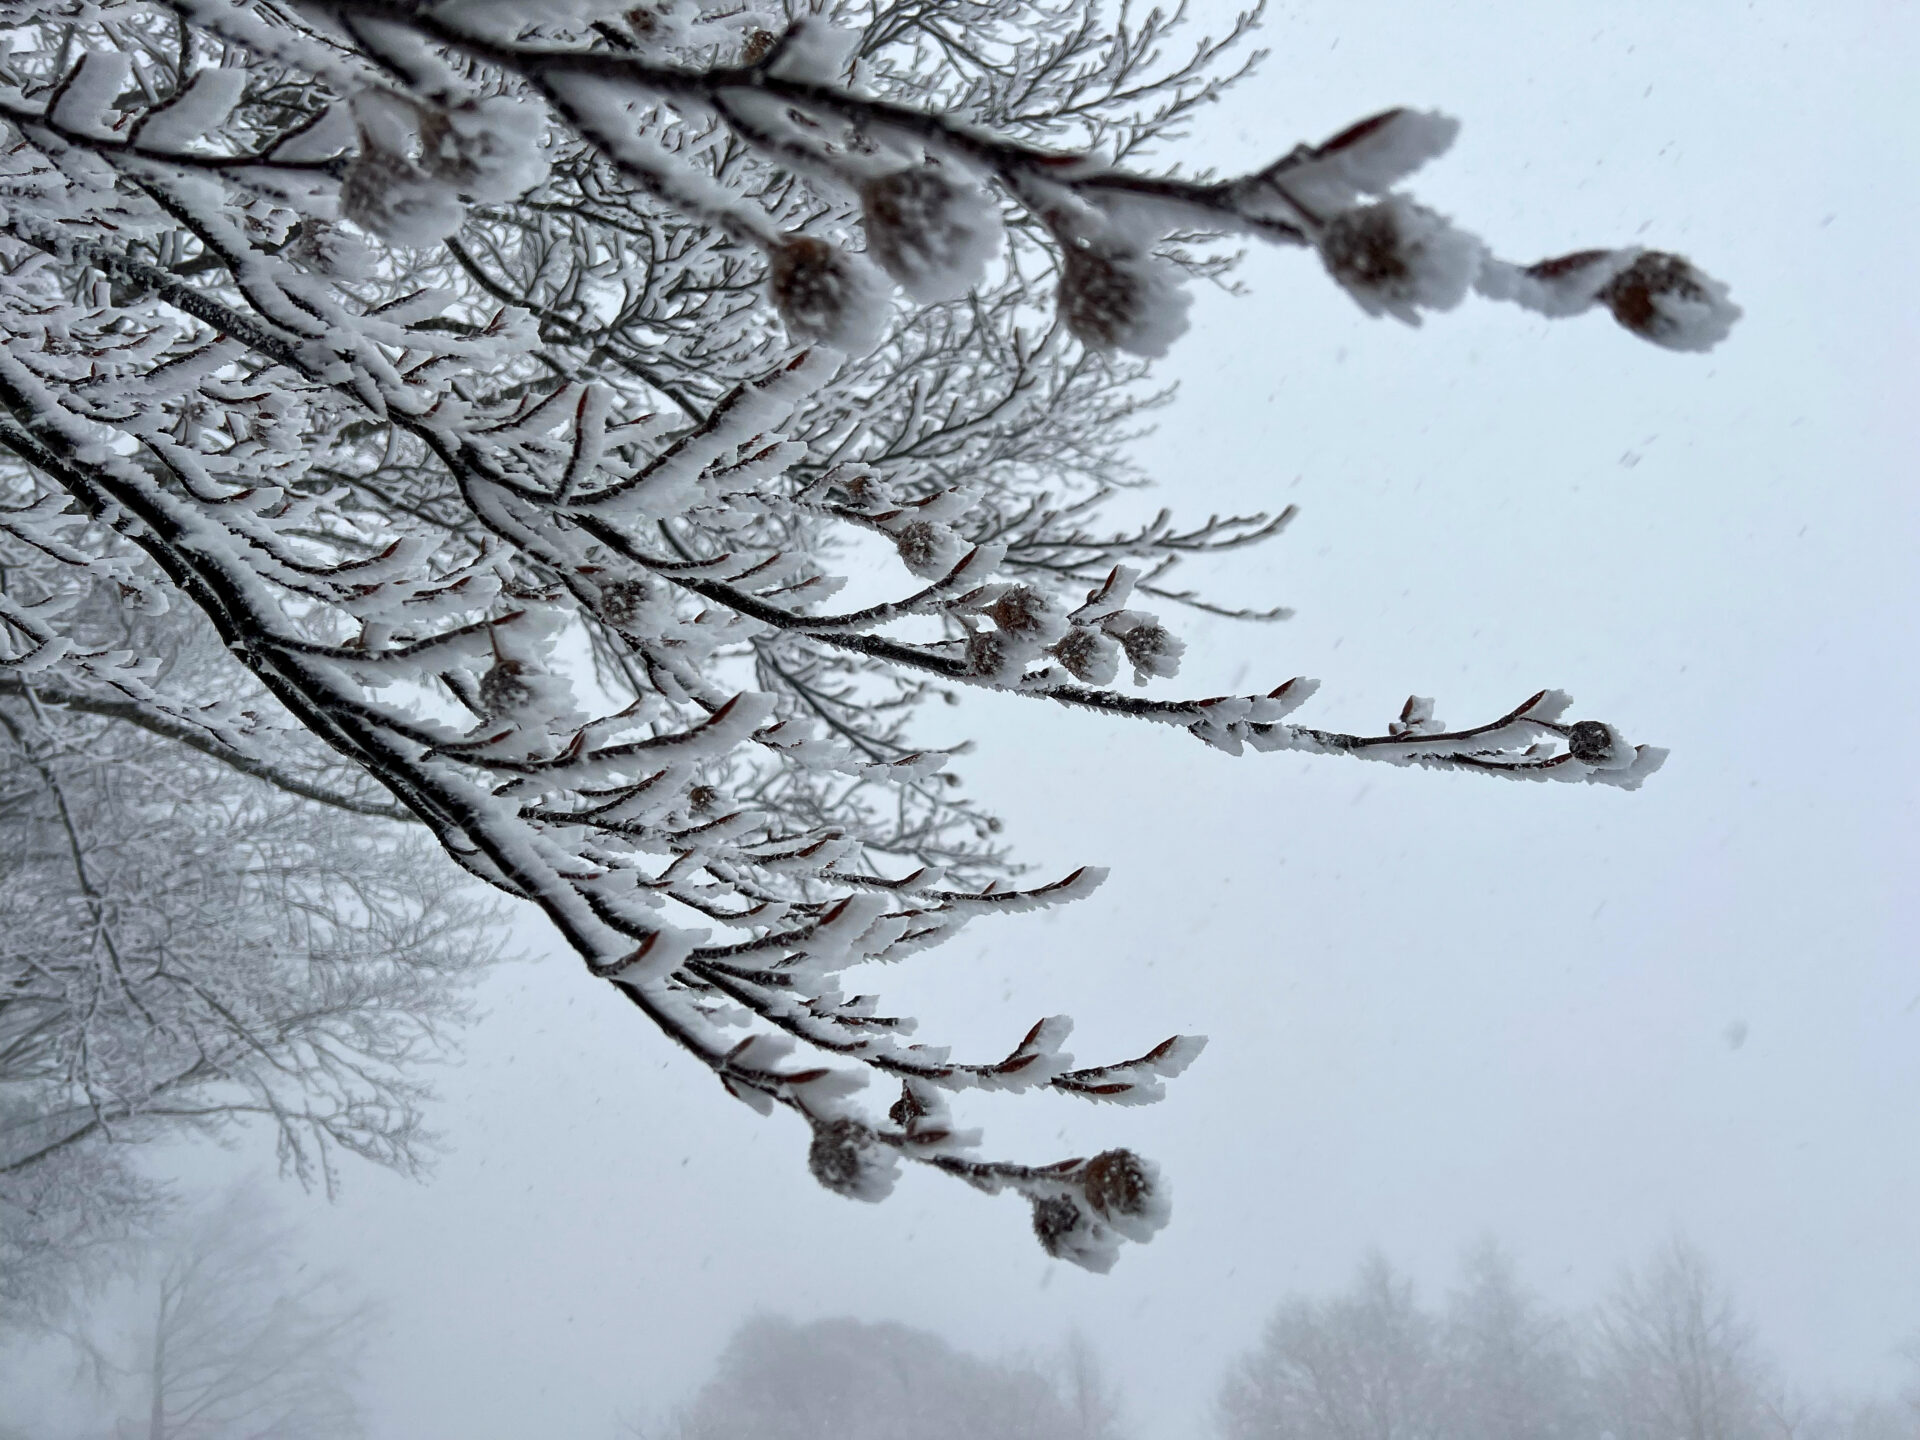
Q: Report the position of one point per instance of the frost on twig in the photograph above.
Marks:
(506, 385)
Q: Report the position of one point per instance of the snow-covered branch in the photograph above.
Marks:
(514, 388)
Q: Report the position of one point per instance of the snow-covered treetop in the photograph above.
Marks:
(512, 385)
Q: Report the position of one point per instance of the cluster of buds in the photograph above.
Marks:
(1025, 620)
(934, 235)
(1088, 1206)
(931, 233)
(921, 530)
(1103, 629)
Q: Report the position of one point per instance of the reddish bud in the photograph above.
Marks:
(1117, 1184)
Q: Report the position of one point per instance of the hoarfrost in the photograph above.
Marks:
(932, 233)
(1398, 258)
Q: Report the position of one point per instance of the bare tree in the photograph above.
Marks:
(857, 1380)
(447, 357)
(1512, 1366)
(1672, 1358)
(227, 1338)
(183, 946)
(1364, 1365)
(67, 1224)
(1096, 1409)
(1665, 1357)
(1909, 1398)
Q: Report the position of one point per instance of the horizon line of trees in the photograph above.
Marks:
(1666, 1354)
(220, 1321)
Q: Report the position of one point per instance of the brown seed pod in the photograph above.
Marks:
(1087, 655)
(1021, 610)
(1116, 1183)
(989, 653)
(837, 1155)
(1631, 295)
(389, 196)
(1362, 248)
(1662, 298)
(759, 44)
(1590, 742)
(1057, 1221)
(1153, 649)
(621, 601)
(1101, 295)
(328, 249)
(505, 687)
(822, 294)
(845, 1158)
(907, 1110)
(1398, 258)
(1113, 297)
(921, 544)
(931, 235)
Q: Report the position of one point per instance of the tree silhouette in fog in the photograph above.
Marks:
(1667, 1355)
(858, 1380)
(222, 1335)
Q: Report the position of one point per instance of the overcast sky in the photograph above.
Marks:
(1439, 1005)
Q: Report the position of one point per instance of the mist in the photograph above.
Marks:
(1661, 1048)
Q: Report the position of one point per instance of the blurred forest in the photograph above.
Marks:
(218, 1329)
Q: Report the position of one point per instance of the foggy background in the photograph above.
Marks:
(1440, 1006)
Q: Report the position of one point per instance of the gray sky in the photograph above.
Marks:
(1439, 1005)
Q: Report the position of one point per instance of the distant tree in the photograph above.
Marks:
(229, 1338)
(1843, 1418)
(187, 944)
(1910, 1392)
(855, 1380)
(1896, 1417)
(1671, 1357)
(1666, 1357)
(1095, 1408)
(1512, 1367)
(1363, 1365)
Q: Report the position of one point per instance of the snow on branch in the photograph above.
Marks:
(509, 386)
